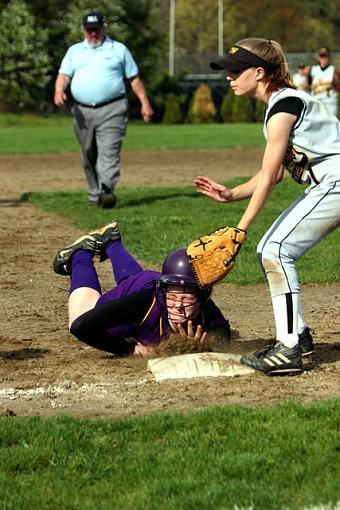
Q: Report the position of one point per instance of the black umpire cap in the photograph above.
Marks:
(238, 59)
(93, 19)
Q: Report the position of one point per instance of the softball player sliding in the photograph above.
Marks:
(144, 307)
(305, 139)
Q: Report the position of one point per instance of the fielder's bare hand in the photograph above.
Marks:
(212, 189)
(197, 336)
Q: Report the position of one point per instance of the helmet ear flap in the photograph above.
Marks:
(204, 294)
(161, 286)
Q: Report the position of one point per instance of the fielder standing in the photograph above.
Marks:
(300, 77)
(303, 138)
(96, 69)
(324, 81)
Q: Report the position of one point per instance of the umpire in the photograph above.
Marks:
(96, 69)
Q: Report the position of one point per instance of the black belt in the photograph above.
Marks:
(98, 105)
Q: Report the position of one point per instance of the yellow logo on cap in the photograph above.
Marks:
(233, 49)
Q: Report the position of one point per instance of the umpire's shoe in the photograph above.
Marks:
(278, 360)
(107, 199)
(104, 236)
(62, 261)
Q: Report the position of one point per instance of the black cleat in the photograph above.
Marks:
(62, 261)
(277, 360)
(104, 236)
(306, 343)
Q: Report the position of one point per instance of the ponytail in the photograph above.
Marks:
(272, 52)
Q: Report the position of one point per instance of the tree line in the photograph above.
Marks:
(36, 33)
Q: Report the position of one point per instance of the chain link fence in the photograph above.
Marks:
(195, 71)
(195, 66)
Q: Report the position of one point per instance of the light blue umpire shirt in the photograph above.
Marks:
(97, 74)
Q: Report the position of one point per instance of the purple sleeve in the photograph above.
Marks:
(133, 283)
(145, 280)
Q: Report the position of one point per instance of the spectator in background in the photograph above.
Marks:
(325, 81)
(97, 69)
(300, 77)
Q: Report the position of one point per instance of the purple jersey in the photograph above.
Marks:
(155, 325)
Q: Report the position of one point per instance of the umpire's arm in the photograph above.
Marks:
(61, 84)
(139, 89)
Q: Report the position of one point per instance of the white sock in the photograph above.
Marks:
(302, 325)
(286, 315)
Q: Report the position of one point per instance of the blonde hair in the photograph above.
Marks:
(272, 52)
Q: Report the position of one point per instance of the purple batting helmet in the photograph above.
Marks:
(177, 271)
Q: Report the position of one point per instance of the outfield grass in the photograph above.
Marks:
(28, 134)
(155, 221)
(284, 457)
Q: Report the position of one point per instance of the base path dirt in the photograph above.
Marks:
(45, 371)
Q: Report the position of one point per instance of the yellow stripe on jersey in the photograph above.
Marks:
(149, 311)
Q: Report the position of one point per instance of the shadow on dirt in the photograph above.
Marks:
(23, 354)
(10, 202)
(239, 346)
(327, 353)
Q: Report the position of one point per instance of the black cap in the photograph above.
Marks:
(238, 59)
(93, 19)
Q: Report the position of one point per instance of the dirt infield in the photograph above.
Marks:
(45, 371)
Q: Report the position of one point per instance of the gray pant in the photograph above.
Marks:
(100, 132)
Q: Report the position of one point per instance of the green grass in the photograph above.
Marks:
(286, 456)
(29, 134)
(283, 457)
(179, 215)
